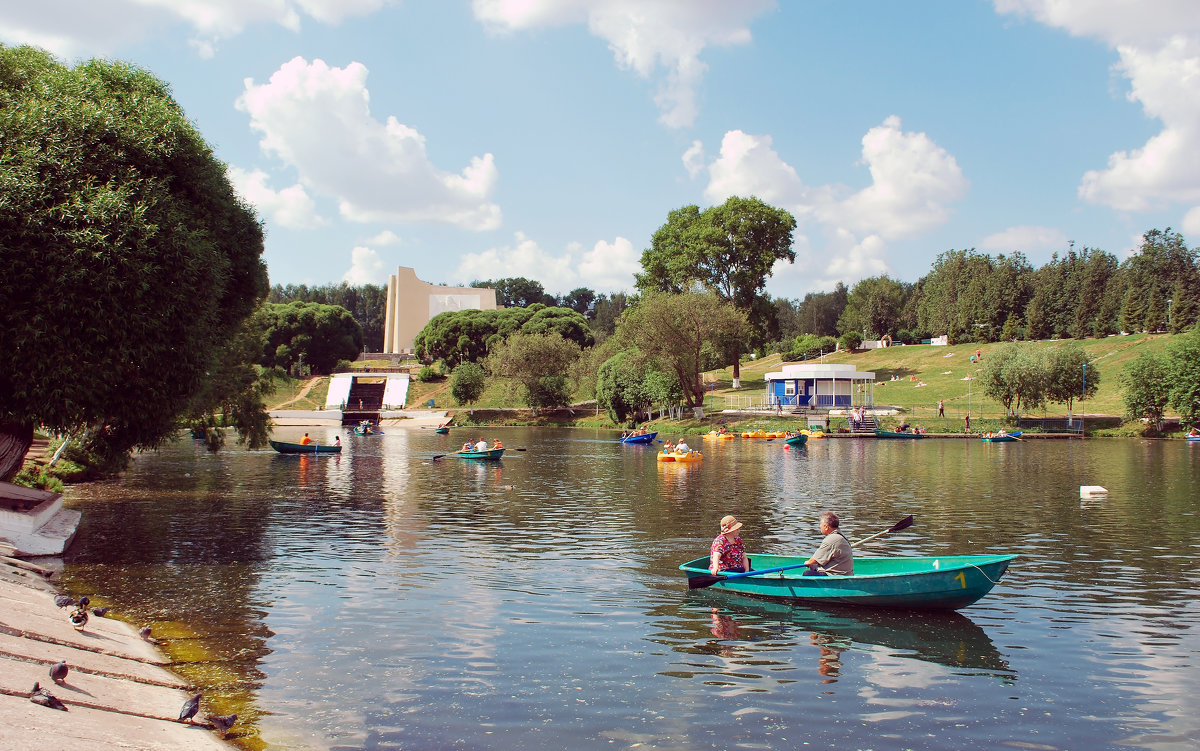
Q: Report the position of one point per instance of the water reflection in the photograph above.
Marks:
(382, 599)
(950, 639)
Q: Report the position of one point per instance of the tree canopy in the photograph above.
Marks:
(679, 331)
(468, 335)
(729, 249)
(308, 334)
(539, 363)
(126, 259)
(517, 292)
(367, 303)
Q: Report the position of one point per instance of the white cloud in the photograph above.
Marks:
(1190, 226)
(316, 119)
(693, 158)
(291, 207)
(71, 28)
(1159, 53)
(1024, 238)
(387, 237)
(366, 267)
(605, 267)
(913, 183)
(643, 36)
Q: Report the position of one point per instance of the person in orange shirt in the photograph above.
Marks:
(305, 440)
(496, 443)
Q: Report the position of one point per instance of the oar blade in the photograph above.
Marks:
(699, 581)
(904, 523)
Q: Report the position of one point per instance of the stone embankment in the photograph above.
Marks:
(117, 691)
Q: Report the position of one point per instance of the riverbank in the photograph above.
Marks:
(118, 692)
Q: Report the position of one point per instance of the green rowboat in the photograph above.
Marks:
(797, 440)
(945, 582)
(489, 454)
(298, 448)
(894, 434)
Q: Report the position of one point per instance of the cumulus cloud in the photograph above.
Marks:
(291, 207)
(317, 120)
(1023, 238)
(1159, 54)
(71, 28)
(913, 183)
(605, 267)
(366, 267)
(1190, 226)
(387, 237)
(647, 38)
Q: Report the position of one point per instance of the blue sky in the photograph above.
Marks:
(550, 139)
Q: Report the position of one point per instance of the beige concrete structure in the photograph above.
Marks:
(118, 691)
(411, 303)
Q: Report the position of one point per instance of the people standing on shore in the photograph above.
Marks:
(941, 408)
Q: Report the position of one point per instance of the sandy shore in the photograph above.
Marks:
(118, 692)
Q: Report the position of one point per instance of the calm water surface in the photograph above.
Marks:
(382, 600)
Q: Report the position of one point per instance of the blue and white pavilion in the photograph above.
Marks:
(820, 386)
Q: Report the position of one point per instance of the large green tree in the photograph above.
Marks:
(367, 303)
(1184, 362)
(517, 292)
(1069, 376)
(1147, 388)
(126, 259)
(539, 364)
(678, 331)
(469, 335)
(728, 249)
(467, 383)
(308, 334)
(1015, 376)
(874, 306)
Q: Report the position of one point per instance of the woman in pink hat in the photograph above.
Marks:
(728, 552)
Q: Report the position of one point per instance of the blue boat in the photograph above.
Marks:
(644, 438)
(945, 582)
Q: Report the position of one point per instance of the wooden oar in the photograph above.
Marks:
(904, 523)
(707, 580)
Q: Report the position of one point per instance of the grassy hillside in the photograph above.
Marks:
(940, 369)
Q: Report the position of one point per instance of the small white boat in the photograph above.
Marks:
(33, 522)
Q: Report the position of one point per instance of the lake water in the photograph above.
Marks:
(383, 600)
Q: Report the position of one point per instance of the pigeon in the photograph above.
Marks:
(189, 709)
(46, 699)
(144, 632)
(79, 618)
(222, 722)
(84, 602)
(58, 671)
(100, 612)
(63, 601)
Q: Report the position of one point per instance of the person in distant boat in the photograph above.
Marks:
(728, 550)
(835, 555)
(1193, 433)
(305, 440)
(496, 444)
(337, 441)
(466, 446)
(668, 447)
(682, 447)
(903, 428)
(723, 431)
(481, 445)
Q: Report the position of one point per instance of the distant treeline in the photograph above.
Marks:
(971, 296)
(967, 295)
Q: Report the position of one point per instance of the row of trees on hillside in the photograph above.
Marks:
(1023, 378)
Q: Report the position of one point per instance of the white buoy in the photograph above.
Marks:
(1091, 491)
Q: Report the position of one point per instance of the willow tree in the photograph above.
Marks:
(126, 259)
(679, 332)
